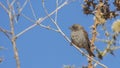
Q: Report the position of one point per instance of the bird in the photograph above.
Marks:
(79, 38)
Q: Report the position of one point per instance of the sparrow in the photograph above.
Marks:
(79, 37)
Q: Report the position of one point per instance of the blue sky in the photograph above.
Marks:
(42, 48)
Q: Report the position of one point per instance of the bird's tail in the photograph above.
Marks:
(90, 52)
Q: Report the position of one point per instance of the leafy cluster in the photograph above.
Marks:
(101, 7)
(117, 4)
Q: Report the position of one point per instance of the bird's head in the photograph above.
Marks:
(76, 27)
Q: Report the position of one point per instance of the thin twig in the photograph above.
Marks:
(5, 32)
(12, 3)
(30, 27)
(4, 7)
(115, 47)
(62, 5)
(14, 14)
(40, 20)
(60, 1)
(33, 12)
(7, 1)
(27, 18)
(102, 40)
(56, 11)
(48, 27)
(20, 10)
(41, 25)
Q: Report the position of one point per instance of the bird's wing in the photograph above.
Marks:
(87, 39)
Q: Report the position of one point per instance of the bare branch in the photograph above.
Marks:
(27, 18)
(13, 2)
(14, 14)
(4, 7)
(62, 5)
(20, 10)
(40, 20)
(30, 27)
(13, 40)
(8, 3)
(48, 27)
(5, 32)
(56, 14)
(33, 12)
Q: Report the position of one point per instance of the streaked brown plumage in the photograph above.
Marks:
(79, 37)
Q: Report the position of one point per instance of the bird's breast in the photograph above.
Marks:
(79, 39)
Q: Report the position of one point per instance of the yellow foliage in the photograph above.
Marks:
(116, 26)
